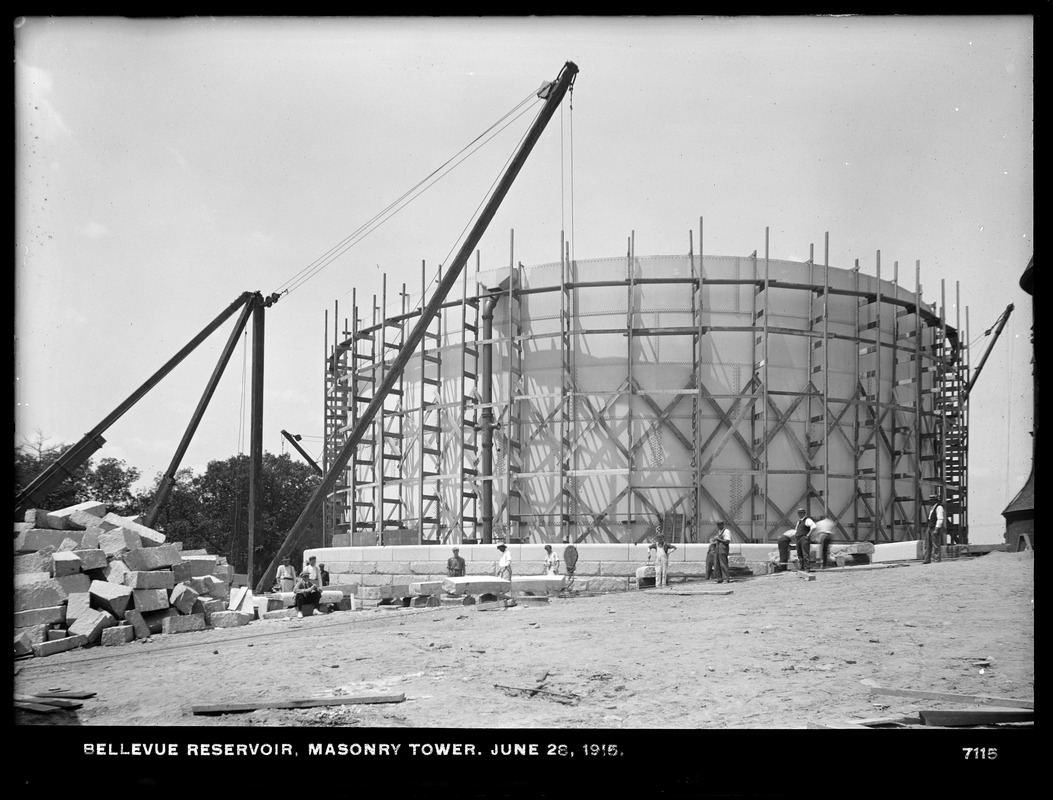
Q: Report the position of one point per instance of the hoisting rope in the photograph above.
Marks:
(349, 241)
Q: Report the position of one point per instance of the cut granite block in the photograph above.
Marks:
(40, 561)
(229, 619)
(117, 572)
(182, 598)
(77, 605)
(118, 635)
(149, 558)
(59, 645)
(73, 584)
(92, 624)
(92, 559)
(155, 619)
(183, 624)
(65, 563)
(147, 600)
(111, 597)
(40, 594)
(156, 579)
(39, 518)
(149, 537)
(138, 623)
(200, 566)
(119, 541)
(55, 615)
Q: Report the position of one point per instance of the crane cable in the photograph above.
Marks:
(406, 198)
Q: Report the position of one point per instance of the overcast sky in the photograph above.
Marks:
(165, 167)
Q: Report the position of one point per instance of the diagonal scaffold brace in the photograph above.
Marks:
(553, 94)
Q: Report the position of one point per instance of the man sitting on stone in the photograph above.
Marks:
(307, 594)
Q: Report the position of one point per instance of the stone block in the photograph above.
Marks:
(155, 619)
(393, 568)
(150, 558)
(607, 584)
(59, 645)
(33, 634)
(56, 633)
(39, 538)
(89, 540)
(93, 510)
(183, 624)
(692, 569)
(112, 597)
(118, 635)
(368, 592)
(90, 522)
(67, 546)
(149, 537)
(217, 589)
(91, 624)
(465, 600)
(181, 572)
(40, 561)
(73, 584)
(182, 599)
(540, 584)
(135, 619)
(40, 594)
(482, 568)
(53, 615)
(347, 603)
(117, 572)
(229, 619)
(147, 600)
(394, 590)
(285, 613)
(92, 559)
(115, 543)
(31, 577)
(77, 605)
(475, 585)
(39, 518)
(210, 606)
(619, 569)
(375, 580)
(426, 588)
(22, 527)
(424, 601)
(65, 563)
(224, 572)
(200, 566)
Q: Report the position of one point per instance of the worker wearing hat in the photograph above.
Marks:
(307, 594)
(551, 561)
(720, 544)
(504, 564)
(801, 533)
(286, 575)
(937, 523)
(455, 565)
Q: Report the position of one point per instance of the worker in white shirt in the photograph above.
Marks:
(313, 572)
(551, 561)
(721, 543)
(937, 523)
(504, 565)
(661, 561)
(804, 541)
(286, 575)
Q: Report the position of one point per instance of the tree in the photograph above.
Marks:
(110, 481)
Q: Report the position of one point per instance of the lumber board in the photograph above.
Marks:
(1004, 702)
(58, 702)
(67, 694)
(305, 702)
(975, 716)
(36, 708)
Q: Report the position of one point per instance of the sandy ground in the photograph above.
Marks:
(778, 652)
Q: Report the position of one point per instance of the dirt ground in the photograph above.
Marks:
(778, 652)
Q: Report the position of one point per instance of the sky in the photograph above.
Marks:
(163, 167)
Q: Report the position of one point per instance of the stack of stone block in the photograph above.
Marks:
(87, 577)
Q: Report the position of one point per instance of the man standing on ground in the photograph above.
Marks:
(934, 530)
(455, 565)
(720, 542)
(313, 572)
(551, 561)
(504, 565)
(286, 575)
(804, 541)
(661, 562)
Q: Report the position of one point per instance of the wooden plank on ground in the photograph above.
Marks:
(975, 716)
(306, 702)
(1005, 702)
(50, 701)
(36, 708)
(837, 725)
(68, 694)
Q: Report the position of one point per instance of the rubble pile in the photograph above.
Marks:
(86, 577)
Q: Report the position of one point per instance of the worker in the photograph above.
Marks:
(307, 594)
(822, 535)
(312, 570)
(455, 565)
(934, 530)
(286, 575)
(325, 575)
(802, 536)
(551, 561)
(661, 561)
(720, 544)
(504, 564)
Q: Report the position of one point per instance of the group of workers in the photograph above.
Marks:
(806, 532)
